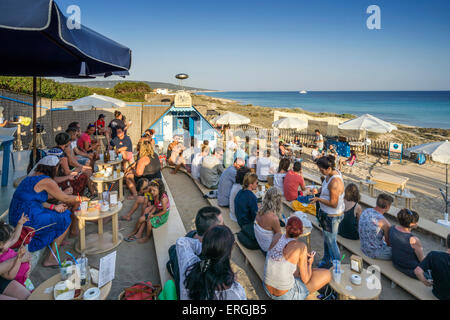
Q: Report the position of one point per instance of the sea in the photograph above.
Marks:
(426, 109)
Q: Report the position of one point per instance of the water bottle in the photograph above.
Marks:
(83, 269)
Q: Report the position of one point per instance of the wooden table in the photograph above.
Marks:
(18, 142)
(39, 292)
(111, 179)
(388, 182)
(346, 290)
(100, 242)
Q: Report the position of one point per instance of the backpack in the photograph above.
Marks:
(39, 155)
(420, 158)
(172, 264)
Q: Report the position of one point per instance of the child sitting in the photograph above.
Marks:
(8, 238)
(144, 197)
(155, 215)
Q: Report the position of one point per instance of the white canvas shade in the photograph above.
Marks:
(95, 101)
(290, 123)
(231, 118)
(439, 152)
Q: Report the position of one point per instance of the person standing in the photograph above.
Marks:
(318, 140)
(331, 208)
(123, 145)
(116, 123)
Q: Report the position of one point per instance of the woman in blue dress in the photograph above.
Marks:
(31, 198)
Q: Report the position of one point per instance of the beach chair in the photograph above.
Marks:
(9, 132)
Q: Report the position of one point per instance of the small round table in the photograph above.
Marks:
(346, 290)
(100, 242)
(110, 179)
(39, 292)
(102, 164)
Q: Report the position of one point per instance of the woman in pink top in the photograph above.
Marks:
(85, 142)
(292, 181)
(12, 282)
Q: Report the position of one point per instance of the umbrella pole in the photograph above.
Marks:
(446, 192)
(34, 120)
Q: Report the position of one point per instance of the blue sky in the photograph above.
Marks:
(257, 45)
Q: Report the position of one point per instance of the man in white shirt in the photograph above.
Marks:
(318, 140)
(264, 167)
(315, 154)
(197, 161)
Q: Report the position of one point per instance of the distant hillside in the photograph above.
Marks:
(112, 83)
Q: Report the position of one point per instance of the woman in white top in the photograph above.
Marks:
(288, 272)
(278, 178)
(240, 174)
(251, 162)
(264, 166)
(331, 210)
(207, 268)
(267, 221)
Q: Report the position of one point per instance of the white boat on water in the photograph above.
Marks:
(303, 92)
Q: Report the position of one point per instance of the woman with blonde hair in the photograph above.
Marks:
(146, 166)
(267, 221)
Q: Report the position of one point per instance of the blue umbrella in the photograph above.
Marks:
(37, 42)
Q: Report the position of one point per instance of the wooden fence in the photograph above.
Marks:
(377, 147)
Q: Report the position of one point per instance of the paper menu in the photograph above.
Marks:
(107, 269)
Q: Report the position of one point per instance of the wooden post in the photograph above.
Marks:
(34, 120)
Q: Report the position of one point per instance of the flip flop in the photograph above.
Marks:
(130, 239)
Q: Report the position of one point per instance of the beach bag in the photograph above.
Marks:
(309, 208)
(168, 292)
(172, 264)
(141, 291)
(23, 236)
(421, 158)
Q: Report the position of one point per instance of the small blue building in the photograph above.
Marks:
(184, 120)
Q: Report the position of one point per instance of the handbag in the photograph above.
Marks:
(23, 236)
(141, 291)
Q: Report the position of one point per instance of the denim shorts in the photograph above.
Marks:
(82, 160)
(298, 292)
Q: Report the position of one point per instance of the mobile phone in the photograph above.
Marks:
(313, 253)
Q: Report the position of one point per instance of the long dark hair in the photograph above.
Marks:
(326, 162)
(50, 171)
(213, 271)
(6, 232)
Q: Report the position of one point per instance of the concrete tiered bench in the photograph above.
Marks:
(254, 257)
(166, 236)
(424, 224)
(412, 286)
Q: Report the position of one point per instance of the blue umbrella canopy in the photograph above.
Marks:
(36, 41)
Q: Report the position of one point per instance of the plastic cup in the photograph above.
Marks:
(66, 271)
(112, 155)
(102, 157)
(336, 265)
(105, 196)
(337, 276)
(84, 207)
(113, 197)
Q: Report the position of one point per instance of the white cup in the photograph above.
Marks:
(112, 155)
(102, 158)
